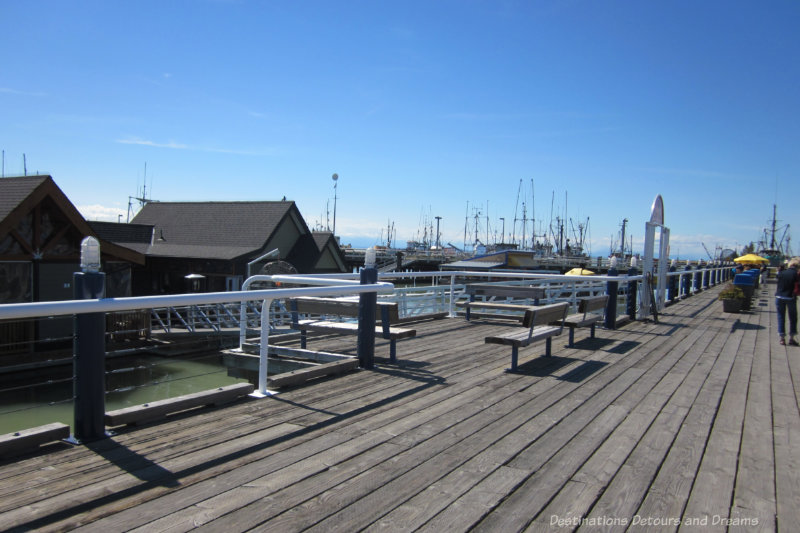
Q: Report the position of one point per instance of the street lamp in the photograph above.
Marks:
(438, 246)
(335, 178)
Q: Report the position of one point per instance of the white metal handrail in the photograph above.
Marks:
(104, 305)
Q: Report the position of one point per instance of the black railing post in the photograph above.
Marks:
(631, 307)
(367, 303)
(687, 281)
(611, 306)
(673, 285)
(89, 351)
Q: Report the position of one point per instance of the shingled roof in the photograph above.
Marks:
(212, 230)
(14, 190)
(19, 195)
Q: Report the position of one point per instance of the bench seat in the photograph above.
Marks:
(387, 312)
(536, 326)
(351, 328)
(591, 310)
(488, 290)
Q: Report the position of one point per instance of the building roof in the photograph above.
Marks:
(14, 190)
(122, 233)
(213, 230)
(21, 194)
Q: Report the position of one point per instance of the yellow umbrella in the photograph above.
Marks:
(751, 259)
(579, 272)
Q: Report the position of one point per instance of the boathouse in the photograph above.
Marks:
(213, 246)
(40, 237)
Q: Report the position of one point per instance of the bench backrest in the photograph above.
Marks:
(545, 314)
(592, 304)
(507, 291)
(387, 312)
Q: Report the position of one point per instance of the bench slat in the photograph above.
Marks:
(507, 291)
(387, 313)
(535, 329)
(525, 337)
(351, 328)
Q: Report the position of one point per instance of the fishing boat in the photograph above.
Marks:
(772, 246)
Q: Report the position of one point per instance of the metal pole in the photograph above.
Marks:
(263, 359)
(89, 350)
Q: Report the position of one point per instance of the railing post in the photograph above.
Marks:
(89, 347)
(611, 306)
(367, 302)
(698, 273)
(673, 282)
(263, 353)
(632, 285)
(452, 295)
(687, 281)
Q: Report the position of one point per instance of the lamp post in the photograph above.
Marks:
(438, 246)
(503, 234)
(335, 178)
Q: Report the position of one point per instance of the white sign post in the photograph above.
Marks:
(656, 222)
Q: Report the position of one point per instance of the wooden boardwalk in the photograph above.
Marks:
(691, 424)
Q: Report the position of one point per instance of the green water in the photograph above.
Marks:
(45, 397)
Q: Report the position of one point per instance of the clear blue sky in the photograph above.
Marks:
(421, 107)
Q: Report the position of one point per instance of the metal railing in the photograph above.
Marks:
(261, 309)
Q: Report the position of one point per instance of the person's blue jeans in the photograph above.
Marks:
(784, 305)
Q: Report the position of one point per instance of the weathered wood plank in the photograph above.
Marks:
(28, 439)
(161, 408)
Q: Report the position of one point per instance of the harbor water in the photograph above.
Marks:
(33, 399)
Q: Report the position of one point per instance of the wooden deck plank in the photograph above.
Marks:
(754, 493)
(714, 482)
(649, 420)
(786, 423)
(572, 453)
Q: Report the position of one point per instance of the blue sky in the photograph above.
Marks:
(423, 108)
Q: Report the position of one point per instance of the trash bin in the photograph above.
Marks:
(746, 282)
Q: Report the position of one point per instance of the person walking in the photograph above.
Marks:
(785, 301)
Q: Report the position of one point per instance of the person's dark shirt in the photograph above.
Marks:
(786, 279)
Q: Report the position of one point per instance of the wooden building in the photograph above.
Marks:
(214, 246)
(40, 237)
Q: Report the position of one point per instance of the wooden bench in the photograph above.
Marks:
(536, 326)
(591, 310)
(387, 313)
(161, 408)
(489, 290)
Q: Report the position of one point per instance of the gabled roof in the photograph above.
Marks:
(14, 190)
(321, 238)
(122, 233)
(213, 230)
(20, 195)
(328, 246)
(133, 236)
